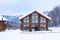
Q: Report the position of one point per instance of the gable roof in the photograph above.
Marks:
(37, 12)
(3, 18)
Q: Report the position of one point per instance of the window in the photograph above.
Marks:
(26, 22)
(41, 25)
(26, 19)
(42, 20)
(26, 25)
(35, 17)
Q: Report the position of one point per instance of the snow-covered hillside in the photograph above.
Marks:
(37, 35)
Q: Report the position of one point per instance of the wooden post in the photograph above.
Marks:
(2, 24)
(30, 22)
(22, 24)
(46, 24)
(38, 22)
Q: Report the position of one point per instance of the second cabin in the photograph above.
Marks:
(2, 23)
(34, 21)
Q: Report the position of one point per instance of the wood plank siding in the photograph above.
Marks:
(22, 24)
(46, 24)
(38, 22)
(2, 25)
(30, 22)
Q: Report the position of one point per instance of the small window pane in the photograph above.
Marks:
(26, 19)
(32, 18)
(36, 19)
(43, 20)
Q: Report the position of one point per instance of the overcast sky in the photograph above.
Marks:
(16, 7)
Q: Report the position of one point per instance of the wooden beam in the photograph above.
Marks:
(30, 22)
(38, 22)
(2, 24)
(22, 24)
(46, 24)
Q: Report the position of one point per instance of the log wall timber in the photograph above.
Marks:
(35, 23)
(30, 22)
(22, 24)
(46, 24)
(2, 25)
(38, 22)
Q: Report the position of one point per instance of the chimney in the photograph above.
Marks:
(2, 19)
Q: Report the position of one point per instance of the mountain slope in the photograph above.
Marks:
(55, 16)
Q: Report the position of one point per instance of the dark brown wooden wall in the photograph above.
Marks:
(30, 22)
(38, 22)
(46, 24)
(2, 26)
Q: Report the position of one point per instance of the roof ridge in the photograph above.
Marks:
(35, 11)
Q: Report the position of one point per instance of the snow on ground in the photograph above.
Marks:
(35, 35)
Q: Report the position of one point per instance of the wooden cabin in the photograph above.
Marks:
(34, 21)
(2, 23)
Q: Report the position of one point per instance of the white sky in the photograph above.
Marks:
(17, 7)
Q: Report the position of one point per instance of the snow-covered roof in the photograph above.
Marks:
(36, 11)
(3, 18)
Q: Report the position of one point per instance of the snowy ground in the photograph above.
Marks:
(39, 35)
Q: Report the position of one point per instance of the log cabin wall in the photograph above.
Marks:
(30, 22)
(39, 22)
(46, 24)
(22, 24)
(2, 26)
